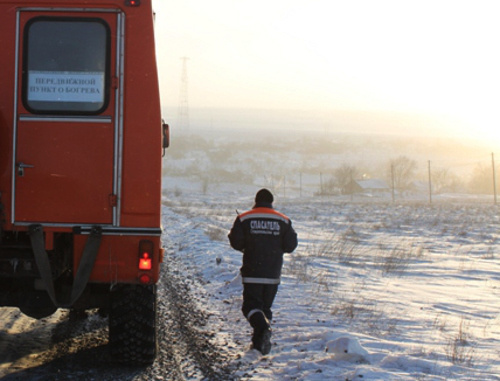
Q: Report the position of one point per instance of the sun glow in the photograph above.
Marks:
(427, 57)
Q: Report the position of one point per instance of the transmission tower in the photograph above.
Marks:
(183, 112)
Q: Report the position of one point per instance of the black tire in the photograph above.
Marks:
(37, 305)
(132, 324)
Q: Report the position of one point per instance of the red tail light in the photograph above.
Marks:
(145, 262)
(133, 3)
(145, 255)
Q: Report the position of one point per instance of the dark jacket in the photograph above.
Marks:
(263, 235)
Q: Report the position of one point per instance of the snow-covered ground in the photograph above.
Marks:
(375, 291)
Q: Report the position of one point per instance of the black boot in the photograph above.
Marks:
(265, 339)
(261, 338)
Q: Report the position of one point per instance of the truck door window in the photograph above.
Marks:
(66, 65)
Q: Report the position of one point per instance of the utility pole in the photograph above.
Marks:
(494, 177)
(351, 185)
(430, 183)
(183, 111)
(392, 182)
(300, 185)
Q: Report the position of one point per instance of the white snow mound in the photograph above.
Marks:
(347, 349)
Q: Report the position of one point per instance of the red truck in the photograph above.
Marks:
(81, 140)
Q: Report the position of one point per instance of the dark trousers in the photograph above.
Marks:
(259, 297)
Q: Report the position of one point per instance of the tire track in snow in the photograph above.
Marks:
(189, 343)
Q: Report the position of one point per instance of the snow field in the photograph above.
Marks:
(377, 291)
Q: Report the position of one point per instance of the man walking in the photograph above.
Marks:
(263, 235)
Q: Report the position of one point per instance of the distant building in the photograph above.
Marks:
(369, 186)
(419, 187)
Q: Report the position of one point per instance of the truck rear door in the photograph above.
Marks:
(67, 125)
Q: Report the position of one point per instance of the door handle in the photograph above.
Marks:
(20, 168)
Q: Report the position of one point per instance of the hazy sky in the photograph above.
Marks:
(436, 57)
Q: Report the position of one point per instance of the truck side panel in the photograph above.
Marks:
(142, 150)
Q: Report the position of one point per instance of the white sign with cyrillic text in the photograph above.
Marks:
(67, 86)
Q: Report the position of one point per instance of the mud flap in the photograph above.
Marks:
(84, 268)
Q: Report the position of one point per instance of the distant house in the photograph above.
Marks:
(419, 187)
(368, 186)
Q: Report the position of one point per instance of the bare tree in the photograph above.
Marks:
(480, 181)
(440, 180)
(402, 171)
(344, 176)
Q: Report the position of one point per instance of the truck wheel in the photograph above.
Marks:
(132, 324)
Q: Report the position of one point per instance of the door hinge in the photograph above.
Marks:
(113, 200)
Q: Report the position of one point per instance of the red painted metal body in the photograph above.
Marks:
(81, 147)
